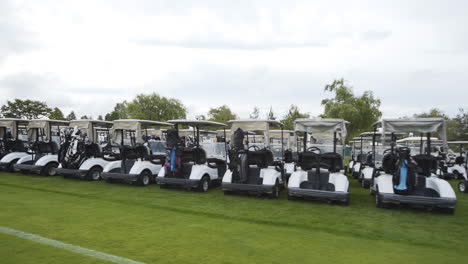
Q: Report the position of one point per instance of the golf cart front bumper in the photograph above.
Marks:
(28, 168)
(418, 200)
(186, 183)
(318, 194)
(128, 178)
(251, 188)
(72, 172)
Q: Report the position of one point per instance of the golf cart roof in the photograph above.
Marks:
(220, 132)
(195, 123)
(417, 139)
(254, 124)
(379, 133)
(320, 125)
(10, 122)
(421, 125)
(42, 123)
(135, 124)
(457, 142)
(86, 122)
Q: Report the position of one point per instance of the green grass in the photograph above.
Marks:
(175, 226)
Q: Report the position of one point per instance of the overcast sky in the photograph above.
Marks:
(89, 55)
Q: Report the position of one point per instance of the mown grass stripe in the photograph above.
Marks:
(68, 247)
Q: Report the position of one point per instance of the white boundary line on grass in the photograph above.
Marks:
(65, 246)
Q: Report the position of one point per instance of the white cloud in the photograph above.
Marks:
(88, 55)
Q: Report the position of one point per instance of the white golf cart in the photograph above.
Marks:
(460, 166)
(194, 163)
(42, 155)
(140, 156)
(252, 168)
(319, 172)
(80, 156)
(13, 141)
(411, 179)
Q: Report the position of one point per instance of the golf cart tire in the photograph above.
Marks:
(141, 178)
(462, 186)
(201, 184)
(89, 175)
(51, 166)
(276, 191)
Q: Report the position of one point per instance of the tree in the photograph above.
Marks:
(119, 112)
(221, 114)
(255, 113)
(200, 117)
(155, 107)
(56, 114)
(271, 115)
(434, 112)
(100, 117)
(86, 117)
(361, 111)
(293, 114)
(71, 116)
(28, 109)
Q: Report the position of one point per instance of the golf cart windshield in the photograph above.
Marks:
(46, 130)
(91, 128)
(131, 131)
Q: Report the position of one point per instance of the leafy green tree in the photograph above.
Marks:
(56, 114)
(86, 117)
(361, 111)
(155, 107)
(255, 113)
(434, 112)
(100, 117)
(200, 117)
(71, 116)
(271, 114)
(119, 112)
(221, 114)
(293, 114)
(28, 109)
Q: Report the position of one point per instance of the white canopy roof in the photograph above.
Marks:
(133, 124)
(44, 124)
(457, 142)
(199, 123)
(253, 124)
(321, 125)
(421, 125)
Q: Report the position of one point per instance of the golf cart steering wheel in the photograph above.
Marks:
(312, 149)
(254, 147)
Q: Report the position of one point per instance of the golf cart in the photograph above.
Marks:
(80, 156)
(410, 179)
(460, 166)
(357, 161)
(13, 142)
(140, 157)
(318, 173)
(194, 163)
(252, 168)
(42, 155)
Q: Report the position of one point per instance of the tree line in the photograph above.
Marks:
(360, 110)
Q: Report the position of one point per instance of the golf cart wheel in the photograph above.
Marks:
(94, 174)
(144, 178)
(204, 184)
(50, 169)
(276, 191)
(462, 186)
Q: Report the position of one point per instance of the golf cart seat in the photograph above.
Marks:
(460, 160)
(308, 160)
(331, 161)
(92, 150)
(389, 161)
(14, 146)
(426, 164)
(288, 156)
(189, 155)
(262, 158)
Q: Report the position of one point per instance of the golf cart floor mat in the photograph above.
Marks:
(317, 181)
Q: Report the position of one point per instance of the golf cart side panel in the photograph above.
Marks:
(418, 200)
(367, 173)
(72, 172)
(270, 176)
(460, 169)
(139, 166)
(112, 166)
(91, 162)
(296, 178)
(227, 177)
(385, 183)
(14, 156)
(198, 171)
(25, 158)
(340, 182)
(43, 161)
(442, 187)
(289, 167)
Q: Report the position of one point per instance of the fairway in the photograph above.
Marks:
(151, 225)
